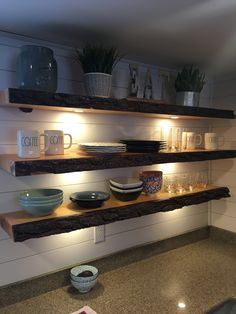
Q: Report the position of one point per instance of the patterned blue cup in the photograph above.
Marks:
(152, 181)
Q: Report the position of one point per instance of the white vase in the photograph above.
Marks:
(97, 84)
(190, 99)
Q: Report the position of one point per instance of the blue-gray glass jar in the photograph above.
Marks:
(36, 69)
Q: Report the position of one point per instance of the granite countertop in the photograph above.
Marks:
(199, 275)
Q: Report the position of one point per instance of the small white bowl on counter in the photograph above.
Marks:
(84, 277)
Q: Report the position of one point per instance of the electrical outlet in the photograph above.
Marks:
(99, 234)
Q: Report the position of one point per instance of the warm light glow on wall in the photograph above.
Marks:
(165, 123)
(71, 117)
(71, 178)
(168, 168)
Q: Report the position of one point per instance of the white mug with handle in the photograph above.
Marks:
(28, 143)
(55, 142)
(193, 140)
(211, 141)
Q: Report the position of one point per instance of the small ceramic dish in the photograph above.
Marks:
(89, 199)
(126, 195)
(126, 183)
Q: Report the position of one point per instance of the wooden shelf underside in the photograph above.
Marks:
(21, 226)
(75, 162)
(29, 99)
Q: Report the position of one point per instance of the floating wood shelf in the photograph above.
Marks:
(21, 226)
(29, 99)
(74, 162)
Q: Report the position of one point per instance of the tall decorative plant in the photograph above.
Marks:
(97, 62)
(98, 58)
(188, 85)
(190, 79)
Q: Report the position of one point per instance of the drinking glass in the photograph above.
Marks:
(181, 183)
(191, 182)
(169, 184)
(176, 139)
(202, 180)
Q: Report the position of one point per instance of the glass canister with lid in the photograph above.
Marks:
(36, 69)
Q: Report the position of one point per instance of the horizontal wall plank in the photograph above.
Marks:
(222, 177)
(228, 165)
(223, 222)
(61, 180)
(50, 261)
(226, 208)
(11, 250)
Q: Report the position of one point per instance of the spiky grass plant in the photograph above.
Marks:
(97, 58)
(190, 79)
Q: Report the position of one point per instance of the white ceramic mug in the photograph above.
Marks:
(193, 140)
(28, 143)
(211, 141)
(54, 142)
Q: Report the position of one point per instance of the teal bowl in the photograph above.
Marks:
(44, 202)
(41, 194)
(41, 210)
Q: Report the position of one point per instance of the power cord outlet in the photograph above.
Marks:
(99, 234)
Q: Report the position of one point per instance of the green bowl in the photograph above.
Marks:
(41, 194)
(41, 210)
(43, 202)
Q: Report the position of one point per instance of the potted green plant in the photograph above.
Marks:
(188, 85)
(97, 62)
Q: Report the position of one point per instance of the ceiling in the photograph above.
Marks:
(162, 32)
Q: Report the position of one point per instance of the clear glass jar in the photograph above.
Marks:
(36, 69)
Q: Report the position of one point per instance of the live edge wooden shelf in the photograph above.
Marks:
(21, 226)
(29, 99)
(75, 162)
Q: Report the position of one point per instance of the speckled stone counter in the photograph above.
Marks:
(199, 275)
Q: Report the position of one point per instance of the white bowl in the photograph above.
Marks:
(113, 188)
(126, 183)
(83, 287)
(75, 271)
(126, 195)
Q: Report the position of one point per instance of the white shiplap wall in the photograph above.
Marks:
(223, 212)
(19, 261)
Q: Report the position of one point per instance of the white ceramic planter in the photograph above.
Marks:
(97, 84)
(190, 99)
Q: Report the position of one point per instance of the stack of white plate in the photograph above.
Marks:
(126, 189)
(106, 148)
